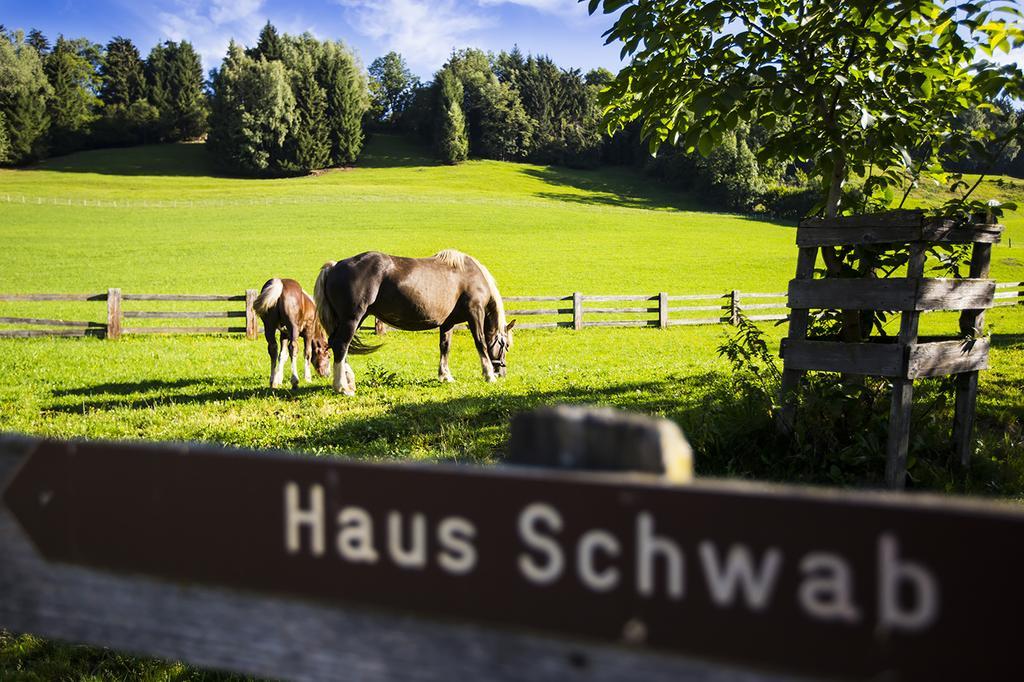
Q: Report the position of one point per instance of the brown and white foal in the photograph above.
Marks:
(284, 306)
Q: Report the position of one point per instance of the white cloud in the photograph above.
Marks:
(569, 9)
(424, 31)
(208, 24)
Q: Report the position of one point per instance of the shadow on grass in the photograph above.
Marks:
(179, 159)
(148, 394)
(384, 150)
(621, 187)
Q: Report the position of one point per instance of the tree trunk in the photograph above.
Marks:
(850, 319)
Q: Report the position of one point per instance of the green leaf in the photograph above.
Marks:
(704, 145)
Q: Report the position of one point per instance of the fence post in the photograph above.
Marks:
(250, 314)
(113, 314)
(663, 310)
(600, 439)
(577, 310)
(734, 307)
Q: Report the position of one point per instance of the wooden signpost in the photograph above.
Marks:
(293, 566)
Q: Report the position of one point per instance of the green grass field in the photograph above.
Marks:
(540, 230)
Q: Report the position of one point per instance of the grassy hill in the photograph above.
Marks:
(178, 227)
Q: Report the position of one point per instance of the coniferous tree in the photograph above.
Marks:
(121, 71)
(451, 140)
(38, 40)
(174, 80)
(347, 100)
(24, 92)
(5, 142)
(312, 143)
(72, 102)
(270, 46)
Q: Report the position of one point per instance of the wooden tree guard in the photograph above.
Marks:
(907, 357)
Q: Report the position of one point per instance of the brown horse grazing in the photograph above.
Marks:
(284, 306)
(413, 294)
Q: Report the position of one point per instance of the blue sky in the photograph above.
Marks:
(423, 31)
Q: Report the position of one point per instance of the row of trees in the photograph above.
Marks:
(506, 107)
(289, 105)
(74, 94)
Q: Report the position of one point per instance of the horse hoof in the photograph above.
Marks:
(492, 379)
(446, 379)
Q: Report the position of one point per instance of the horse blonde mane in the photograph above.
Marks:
(323, 306)
(457, 260)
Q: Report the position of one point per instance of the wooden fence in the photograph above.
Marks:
(574, 311)
(121, 321)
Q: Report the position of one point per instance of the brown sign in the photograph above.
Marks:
(838, 585)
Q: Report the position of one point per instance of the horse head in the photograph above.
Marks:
(321, 354)
(499, 346)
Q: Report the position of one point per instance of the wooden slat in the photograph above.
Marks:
(623, 323)
(942, 358)
(25, 333)
(540, 311)
(955, 294)
(182, 330)
(53, 297)
(761, 306)
(182, 297)
(897, 218)
(536, 298)
(875, 359)
(781, 294)
(624, 297)
(697, 321)
(54, 323)
(835, 236)
(1009, 285)
(601, 311)
(698, 297)
(167, 314)
(766, 318)
(702, 308)
(1006, 294)
(891, 294)
(543, 325)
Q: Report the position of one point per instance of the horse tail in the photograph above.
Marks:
(360, 347)
(323, 307)
(268, 297)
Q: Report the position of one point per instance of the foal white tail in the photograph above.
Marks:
(268, 296)
(323, 306)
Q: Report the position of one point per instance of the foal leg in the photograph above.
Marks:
(307, 347)
(282, 355)
(293, 342)
(476, 326)
(443, 373)
(272, 351)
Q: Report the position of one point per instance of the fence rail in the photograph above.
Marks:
(575, 311)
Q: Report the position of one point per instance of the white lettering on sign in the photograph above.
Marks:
(355, 536)
(590, 543)
(455, 535)
(737, 574)
(650, 547)
(415, 554)
(733, 575)
(296, 518)
(826, 591)
(922, 607)
(547, 570)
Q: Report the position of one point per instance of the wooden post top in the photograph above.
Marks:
(894, 227)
